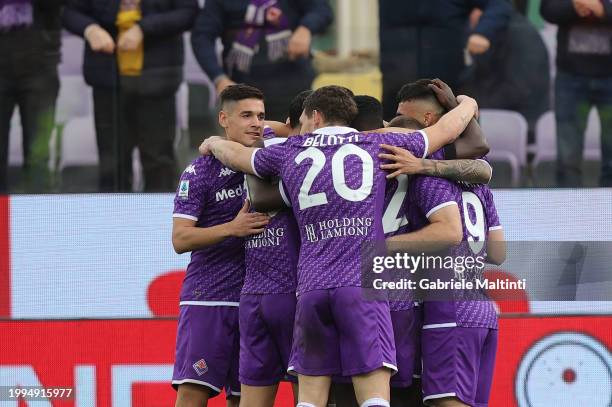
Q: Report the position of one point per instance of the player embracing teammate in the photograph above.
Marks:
(331, 177)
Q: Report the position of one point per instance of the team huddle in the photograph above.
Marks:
(274, 290)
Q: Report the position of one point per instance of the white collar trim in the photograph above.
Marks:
(333, 130)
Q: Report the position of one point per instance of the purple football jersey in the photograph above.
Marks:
(211, 194)
(395, 222)
(271, 257)
(333, 182)
(268, 133)
(478, 215)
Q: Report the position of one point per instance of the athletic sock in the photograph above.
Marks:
(375, 402)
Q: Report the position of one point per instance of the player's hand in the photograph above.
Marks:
(131, 39)
(478, 44)
(246, 224)
(204, 148)
(99, 39)
(299, 43)
(444, 94)
(402, 161)
(472, 101)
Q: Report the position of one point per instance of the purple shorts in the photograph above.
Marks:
(207, 348)
(266, 333)
(459, 362)
(407, 332)
(338, 332)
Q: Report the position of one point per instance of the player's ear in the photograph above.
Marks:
(317, 118)
(428, 119)
(223, 119)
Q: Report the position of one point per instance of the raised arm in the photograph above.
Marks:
(472, 142)
(280, 129)
(452, 124)
(234, 155)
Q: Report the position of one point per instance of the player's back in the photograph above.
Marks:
(211, 194)
(333, 180)
(478, 216)
(271, 256)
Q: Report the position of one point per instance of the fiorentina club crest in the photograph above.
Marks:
(200, 367)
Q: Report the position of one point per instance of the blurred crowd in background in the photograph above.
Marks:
(115, 95)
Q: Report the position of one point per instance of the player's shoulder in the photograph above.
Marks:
(200, 164)
(202, 167)
(408, 134)
(268, 133)
(482, 190)
(427, 182)
(437, 155)
(274, 141)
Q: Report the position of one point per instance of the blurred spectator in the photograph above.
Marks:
(584, 79)
(266, 44)
(514, 73)
(522, 6)
(30, 45)
(134, 62)
(426, 39)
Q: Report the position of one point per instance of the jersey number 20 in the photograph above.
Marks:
(306, 200)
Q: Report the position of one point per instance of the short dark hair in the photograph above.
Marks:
(369, 113)
(336, 103)
(235, 93)
(296, 107)
(405, 122)
(418, 90)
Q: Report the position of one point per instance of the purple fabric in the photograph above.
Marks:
(338, 332)
(207, 347)
(246, 43)
(460, 361)
(407, 334)
(15, 13)
(426, 194)
(212, 194)
(334, 228)
(271, 257)
(266, 335)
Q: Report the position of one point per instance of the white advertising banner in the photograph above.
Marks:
(95, 256)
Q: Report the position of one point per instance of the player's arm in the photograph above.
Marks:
(280, 129)
(444, 231)
(452, 124)
(232, 154)
(404, 162)
(472, 142)
(496, 247)
(186, 236)
(265, 196)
